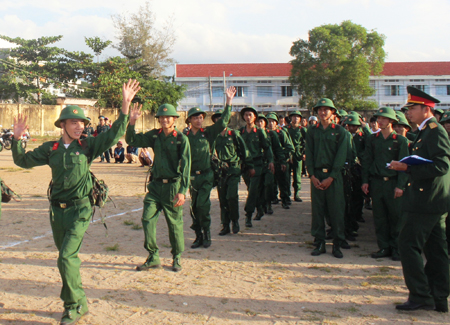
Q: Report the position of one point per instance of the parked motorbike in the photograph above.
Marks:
(7, 136)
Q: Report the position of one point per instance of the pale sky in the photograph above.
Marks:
(245, 31)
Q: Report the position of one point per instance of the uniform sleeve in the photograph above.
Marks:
(341, 154)
(141, 140)
(185, 165)
(367, 160)
(265, 143)
(402, 153)
(303, 141)
(244, 153)
(105, 140)
(438, 149)
(277, 149)
(220, 125)
(37, 157)
(310, 152)
(288, 147)
(366, 130)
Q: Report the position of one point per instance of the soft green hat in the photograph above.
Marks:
(342, 113)
(262, 116)
(386, 112)
(402, 119)
(325, 102)
(272, 116)
(352, 120)
(71, 111)
(217, 113)
(195, 111)
(248, 108)
(295, 113)
(167, 110)
(355, 113)
(439, 111)
(445, 117)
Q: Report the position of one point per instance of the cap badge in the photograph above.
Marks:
(77, 153)
(164, 109)
(323, 102)
(75, 111)
(197, 109)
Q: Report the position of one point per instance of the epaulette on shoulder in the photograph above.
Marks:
(432, 125)
(394, 136)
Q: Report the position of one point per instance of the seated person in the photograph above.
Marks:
(132, 154)
(119, 153)
(145, 158)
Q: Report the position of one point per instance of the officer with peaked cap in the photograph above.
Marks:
(103, 127)
(326, 151)
(386, 185)
(167, 190)
(70, 205)
(426, 206)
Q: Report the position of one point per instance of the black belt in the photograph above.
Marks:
(167, 180)
(384, 178)
(199, 172)
(69, 203)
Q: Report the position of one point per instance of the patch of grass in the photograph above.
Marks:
(136, 227)
(251, 313)
(113, 248)
(351, 309)
(320, 268)
(385, 269)
(128, 223)
(377, 279)
(11, 169)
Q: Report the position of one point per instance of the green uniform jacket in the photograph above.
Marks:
(231, 149)
(258, 145)
(298, 136)
(326, 148)
(202, 142)
(359, 140)
(70, 167)
(379, 152)
(286, 143)
(428, 189)
(169, 162)
(351, 150)
(277, 149)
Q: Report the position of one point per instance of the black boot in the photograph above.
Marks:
(259, 215)
(248, 220)
(225, 230)
(198, 239)
(269, 208)
(235, 226)
(206, 237)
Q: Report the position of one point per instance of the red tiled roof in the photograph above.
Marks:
(284, 69)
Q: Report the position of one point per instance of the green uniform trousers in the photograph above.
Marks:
(68, 226)
(253, 188)
(386, 212)
(328, 204)
(200, 190)
(296, 174)
(282, 182)
(227, 189)
(427, 284)
(160, 196)
(265, 188)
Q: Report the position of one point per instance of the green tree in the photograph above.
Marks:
(336, 62)
(97, 45)
(140, 39)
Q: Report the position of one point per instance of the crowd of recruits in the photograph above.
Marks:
(183, 161)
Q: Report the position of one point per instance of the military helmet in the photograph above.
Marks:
(71, 111)
(217, 113)
(167, 110)
(296, 113)
(352, 120)
(272, 116)
(402, 119)
(195, 111)
(342, 113)
(355, 113)
(386, 112)
(262, 116)
(445, 117)
(248, 108)
(324, 102)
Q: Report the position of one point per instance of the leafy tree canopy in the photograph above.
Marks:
(336, 62)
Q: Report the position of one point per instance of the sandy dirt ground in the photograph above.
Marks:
(263, 275)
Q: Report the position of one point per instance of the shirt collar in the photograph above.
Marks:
(423, 123)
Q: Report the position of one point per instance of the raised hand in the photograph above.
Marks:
(20, 126)
(129, 90)
(135, 113)
(230, 93)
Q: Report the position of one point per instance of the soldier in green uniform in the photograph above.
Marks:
(425, 206)
(88, 130)
(103, 127)
(170, 181)
(201, 141)
(259, 147)
(282, 162)
(71, 210)
(326, 151)
(402, 127)
(386, 185)
(233, 155)
(445, 121)
(298, 135)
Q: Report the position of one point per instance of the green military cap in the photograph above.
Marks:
(352, 120)
(402, 119)
(246, 109)
(342, 113)
(194, 111)
(71, 111)
(167, 110)
(416, 96)
(262, 116)
(404, 108)
(386, 112)
(356, 114)
(272, 116)
(324, 102)
(217, 113)
(445, 118)
(296, 113)
(438, 111)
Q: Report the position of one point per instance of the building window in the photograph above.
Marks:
(391, 80)
(372, 84)
(393, 90)
(264, 81)
(264, 91)
(241, 91)
(424, 88)
(443, 90)
(217, 91)
(286, 91)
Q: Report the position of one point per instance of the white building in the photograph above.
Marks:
(266, 87)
